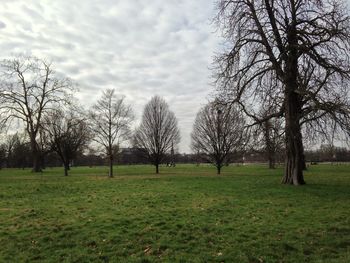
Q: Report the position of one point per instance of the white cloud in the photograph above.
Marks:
(139, 47)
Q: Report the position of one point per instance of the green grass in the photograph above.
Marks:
(185, 214)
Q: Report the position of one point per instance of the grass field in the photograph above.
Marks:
(185, 214)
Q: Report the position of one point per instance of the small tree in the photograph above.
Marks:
(268, 139)
(110, 121)
(29, 88)
(218, 131)
(67, 135)
(158, 131)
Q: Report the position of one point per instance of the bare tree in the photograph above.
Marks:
(218, 131)
(29, 88)
(268, 138)
(110, 123)
(67, 134)
(158, 131)
(305, 45)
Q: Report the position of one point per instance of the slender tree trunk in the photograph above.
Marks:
(157, 168)
(218, 169)
(269, 147)
(110, 174)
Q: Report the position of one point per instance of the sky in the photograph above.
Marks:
(140, 48)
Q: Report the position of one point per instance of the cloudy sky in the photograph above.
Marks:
(139, 47)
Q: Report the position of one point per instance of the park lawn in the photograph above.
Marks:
(185, 214)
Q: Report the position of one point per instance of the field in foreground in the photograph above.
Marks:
(185, 214)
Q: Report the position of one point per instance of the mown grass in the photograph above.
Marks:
(185, 214)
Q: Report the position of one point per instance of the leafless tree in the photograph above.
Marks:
(158, 131)
(67, 134)
(29, 88)
(110, 120)
(268, 138)
(305, 45)
(218, 131)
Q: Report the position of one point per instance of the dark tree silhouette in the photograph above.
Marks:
(67, 134)
(17, 149)
(218, 131)
(304, 44)
(110, 123)
(29, 88)
(158, 131)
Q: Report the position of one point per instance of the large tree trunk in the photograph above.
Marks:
(36, 157)
(294, 146)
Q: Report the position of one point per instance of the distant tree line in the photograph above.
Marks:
(44, 125)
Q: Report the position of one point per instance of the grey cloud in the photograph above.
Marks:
(2, 25)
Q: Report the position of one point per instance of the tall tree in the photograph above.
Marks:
(110, 120)
(67, 134)
(29, 88)
(218, 131)
(158, 131)
(300, 42)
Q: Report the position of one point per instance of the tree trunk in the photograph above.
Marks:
(66, 169)
(36, 158)
(294, 145)
(110, 174)
(218, 169)
(269, 147)
(157, 168)
(294, 165)
(272, 162)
